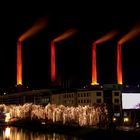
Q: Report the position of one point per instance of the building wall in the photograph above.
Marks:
(116, 97)
(69, 99)
(116, 100)
(57, 99)
(78, 98)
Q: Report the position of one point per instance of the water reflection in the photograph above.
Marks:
(12, 133)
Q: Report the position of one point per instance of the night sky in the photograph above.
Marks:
(74, 54)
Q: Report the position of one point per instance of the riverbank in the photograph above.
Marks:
(74, 130)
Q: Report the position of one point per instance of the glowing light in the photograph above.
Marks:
(81, 115)
(94, 69)
(119, 65)
(38, 26)
(106, 37)
(19, 64)
(114, 119)
(7, 118)
(66, 35)
(135, 31)
(53, 65)
(7, 133)
(126, 119)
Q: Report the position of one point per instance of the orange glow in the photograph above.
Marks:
(53, 67)
(19, 64)
(129, 36)
(106, 37)
(66, 35)
(133, 33)
(119, 64)
(94, 68)
(39, 25)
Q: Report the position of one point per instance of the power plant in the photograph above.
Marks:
(108, 94)
(41, 24)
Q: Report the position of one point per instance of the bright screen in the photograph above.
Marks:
(131, 100)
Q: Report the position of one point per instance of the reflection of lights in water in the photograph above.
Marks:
(7, 133)
(54, 136)
(12, 133)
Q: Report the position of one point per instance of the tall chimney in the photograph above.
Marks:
(119, 65)
(94, 67)
(19, 63)
(53, 63)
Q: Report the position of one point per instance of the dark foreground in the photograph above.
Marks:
(87, 133)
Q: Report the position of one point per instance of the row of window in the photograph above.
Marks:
(83, 94)
(68, 102)
(68, 95)
(89, 101)
(86, 94)
(84, 101)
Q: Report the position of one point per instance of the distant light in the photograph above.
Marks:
(43, 123)
(7, 118)
(138, 85)
(125, 119)
(114, 119)
(137, 125)
(93, 84)
(127, 85)
(4, 93)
